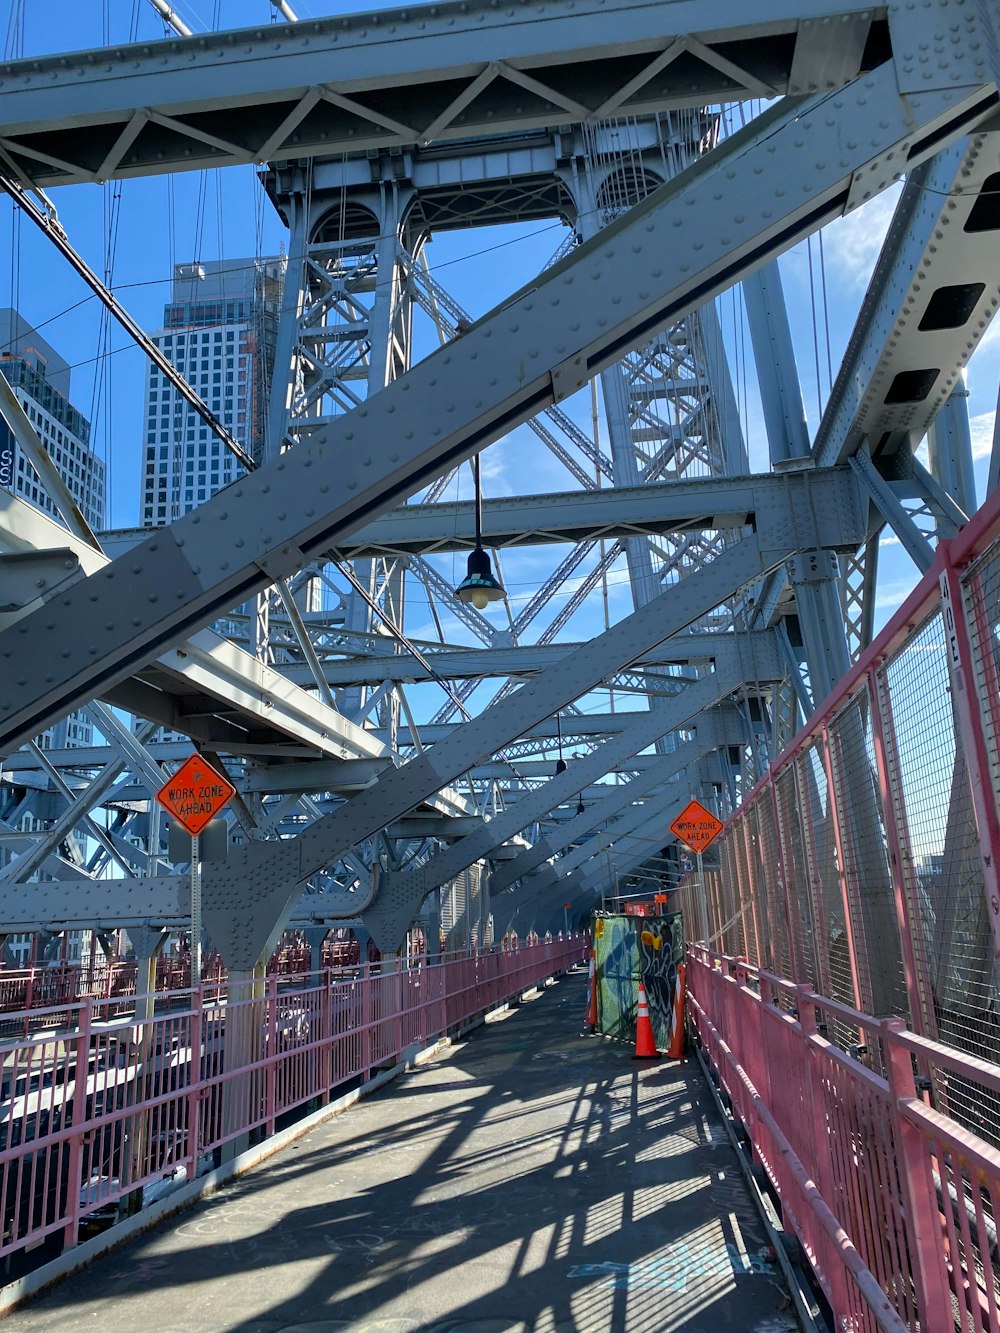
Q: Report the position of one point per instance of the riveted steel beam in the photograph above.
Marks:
(931, 299)
(665, 256)
(642, 730)
(652, 510)
(394, 78)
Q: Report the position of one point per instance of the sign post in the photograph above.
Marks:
(193, 796)
(698, 828)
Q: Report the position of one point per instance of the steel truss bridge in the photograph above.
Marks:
(389, 774)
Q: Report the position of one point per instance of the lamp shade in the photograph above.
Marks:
(480, 586)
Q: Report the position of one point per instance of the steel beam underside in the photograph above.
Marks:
(395, 78)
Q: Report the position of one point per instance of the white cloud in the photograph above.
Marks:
(893, 593)
(852, 243)
(981, 428)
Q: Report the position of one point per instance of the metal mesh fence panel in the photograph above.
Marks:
(793, 859)
(941, 856)
(870, 895)
(834, 951)
(734, 922)
(772, 889)
(981, 586)
(756, 952)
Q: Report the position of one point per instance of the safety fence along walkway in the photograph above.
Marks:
(865, 867)
(893, 1200)
(101, 1105)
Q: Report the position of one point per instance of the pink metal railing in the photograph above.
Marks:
(893, 1200)
(866, 862)
(45, 986)
(97, 1105)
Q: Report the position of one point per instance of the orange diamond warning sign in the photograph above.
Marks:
(696, 826)
(195, 793)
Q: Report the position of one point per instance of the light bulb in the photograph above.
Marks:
(479, 599)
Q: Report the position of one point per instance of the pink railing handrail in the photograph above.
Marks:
(878, 1182)
(100, 1108)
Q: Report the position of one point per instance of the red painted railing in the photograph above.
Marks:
(893, 1200)
(97, 1104)
(866, 862)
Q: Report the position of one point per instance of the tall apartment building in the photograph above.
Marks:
(40, 379)
(219, 330)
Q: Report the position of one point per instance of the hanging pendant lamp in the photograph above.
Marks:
(480, 585)
(561, 764)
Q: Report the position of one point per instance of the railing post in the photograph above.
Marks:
(962, 669)
(397, 1026)
(195, 1089)
(326, 1038)
(925, 1242)
(367, 1006)
(271, 1047)
(74, 1161)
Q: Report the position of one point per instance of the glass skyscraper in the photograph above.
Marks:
(218, 330)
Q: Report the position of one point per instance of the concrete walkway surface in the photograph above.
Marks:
(531, 1180)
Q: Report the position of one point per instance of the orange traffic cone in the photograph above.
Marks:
(645, 1046)
(591, 1020)
(676, 1047)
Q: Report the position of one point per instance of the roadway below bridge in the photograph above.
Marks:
(530, 1179)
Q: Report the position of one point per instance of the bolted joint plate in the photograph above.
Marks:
(400, 897)
(147, 941)
(944, 44)
(813, 567)
(811, 509)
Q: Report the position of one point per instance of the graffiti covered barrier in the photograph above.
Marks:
(628, 949)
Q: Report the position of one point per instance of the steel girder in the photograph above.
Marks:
(668, 254)
(481, 663)
(932, 296)
(259, 883)
(395, 78)
(537, 897)
(205, 686)
(650, 510)
(640, 731)
(663, 770)
(401, 895)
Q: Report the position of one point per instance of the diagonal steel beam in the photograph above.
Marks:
(665, 257)
(641, 731)
(259, 883)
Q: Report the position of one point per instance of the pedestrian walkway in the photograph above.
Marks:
(532, 1180)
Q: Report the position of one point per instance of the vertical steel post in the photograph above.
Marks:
(900, 854)
(196, 1090)
(271, 1053)
(921, 1209)
(962, 667)
(74, 1163)
(195, 909)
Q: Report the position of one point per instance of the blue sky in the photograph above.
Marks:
(159, 221)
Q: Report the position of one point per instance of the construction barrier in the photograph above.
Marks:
(629, 949)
